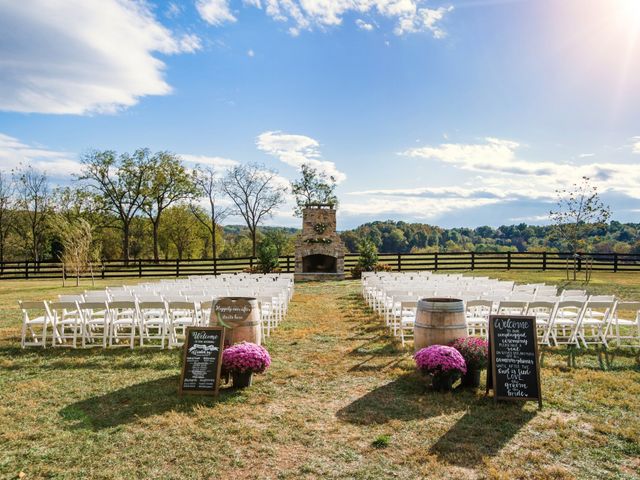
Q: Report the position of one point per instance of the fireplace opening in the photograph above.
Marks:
(319, 264)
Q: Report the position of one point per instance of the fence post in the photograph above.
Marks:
(177, 267)
(579, 263)
(26, 269)
(140, 267)
(615, 262)
(435, 259)
(288, 263)
(473, 260)
(508, 260)
(102, 268)
(544, 260)
(399, 262)
(215, 265)
(251, 264)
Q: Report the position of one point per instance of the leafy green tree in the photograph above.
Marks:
(313, 187)
(181, 230)
(167, 183)
(120, 183)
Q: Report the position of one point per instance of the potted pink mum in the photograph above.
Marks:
(475, 351)
(244, 359)
(443, 363)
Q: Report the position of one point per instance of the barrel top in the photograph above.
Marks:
(452, 305)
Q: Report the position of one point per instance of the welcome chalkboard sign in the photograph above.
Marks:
(202, 361)
(514, 371)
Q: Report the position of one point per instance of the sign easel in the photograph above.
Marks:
(201, 361)
(514, 370)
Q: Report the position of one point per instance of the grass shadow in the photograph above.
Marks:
(482, 432)
(89, 358)
(135, 402)
(406, 398)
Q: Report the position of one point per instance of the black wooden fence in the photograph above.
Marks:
(610, 262)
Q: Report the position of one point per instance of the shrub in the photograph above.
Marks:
(474, 350)
(267, 257)
(381, 441)
(368, 255)
(245, 356)
(440, 359)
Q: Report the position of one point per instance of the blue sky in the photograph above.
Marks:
(456, 113)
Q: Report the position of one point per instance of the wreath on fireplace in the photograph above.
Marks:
(320, 228)
(318, 240)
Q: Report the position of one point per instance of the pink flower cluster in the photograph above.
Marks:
(438, 359)
(245, 356)
(475, 350)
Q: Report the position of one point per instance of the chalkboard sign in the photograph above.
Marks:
(514, 372)
(201, 361)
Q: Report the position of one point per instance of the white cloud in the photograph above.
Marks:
(56, 164)
(635, 147)
(586, 155)
(362, 25)
(409, 16)
(215, 12)
(296, 150)
(217, 162)
(76, 57)
(251, 53)
(422, 209)
(513, 177)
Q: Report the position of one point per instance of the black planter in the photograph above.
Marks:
(443, 383)
(242, 379)
(471, 378)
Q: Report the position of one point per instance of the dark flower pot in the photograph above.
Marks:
(471, 378)
(443, 382)
(242, 379)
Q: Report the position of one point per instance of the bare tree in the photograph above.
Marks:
(6, 210)
(253, 190)
(34, 203)
(209, 187)
(120, 182)
(579, 211)
(77, 241)
(168, 183)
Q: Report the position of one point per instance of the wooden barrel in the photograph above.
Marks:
(241, 318)
(438, 322)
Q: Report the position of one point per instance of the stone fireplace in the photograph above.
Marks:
(319, 249)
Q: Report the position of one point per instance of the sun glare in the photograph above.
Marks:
(628, 12)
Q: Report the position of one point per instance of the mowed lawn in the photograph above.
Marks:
(341, 400)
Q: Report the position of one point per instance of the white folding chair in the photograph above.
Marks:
(543, 311)
(123, 322)
(594, 325)
(95, 322)
(566, 321)
(181, 316)
(67, 324)
(36, 319)
(477, 316)
(626, 316)
(154, 322)
(407, 319)
(509, 307)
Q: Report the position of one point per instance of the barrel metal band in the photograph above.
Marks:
(444, 327)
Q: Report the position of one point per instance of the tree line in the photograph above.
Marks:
(147, 205)
(150, 205)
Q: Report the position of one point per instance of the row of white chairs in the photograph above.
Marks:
(146, 314)
(572, 318)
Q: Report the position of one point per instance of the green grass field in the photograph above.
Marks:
(341, 400)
